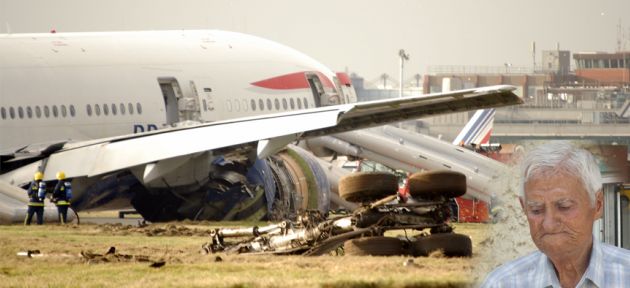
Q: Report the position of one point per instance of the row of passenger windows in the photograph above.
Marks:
(276, 104)
(291, 104)
(63, 111)
(114, 109)
(37, 111)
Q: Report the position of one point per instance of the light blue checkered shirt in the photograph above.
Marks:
(609, 266)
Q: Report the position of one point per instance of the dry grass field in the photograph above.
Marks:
(178, 245)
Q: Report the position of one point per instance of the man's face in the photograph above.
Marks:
(560, 213)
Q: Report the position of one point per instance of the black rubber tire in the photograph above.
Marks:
(367, 186)
(374, 246)
(451, 244)
(431, 184)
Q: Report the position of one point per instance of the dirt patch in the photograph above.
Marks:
(111, 256)
(152, 230)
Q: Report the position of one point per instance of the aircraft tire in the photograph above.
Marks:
(367, 186)
(432, 184)
(451, 244)
(374, 246)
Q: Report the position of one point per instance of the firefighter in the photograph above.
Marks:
(36, 194)
(62, 195)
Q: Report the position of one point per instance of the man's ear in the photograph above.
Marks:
(599, 204)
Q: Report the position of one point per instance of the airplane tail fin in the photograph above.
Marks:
(478, 129)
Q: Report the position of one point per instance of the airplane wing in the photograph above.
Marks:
(267, 133)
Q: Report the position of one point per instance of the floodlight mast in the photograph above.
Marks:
(403, 57)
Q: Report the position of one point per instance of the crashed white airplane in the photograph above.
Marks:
(215, 109)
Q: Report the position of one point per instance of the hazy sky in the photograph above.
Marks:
(362, 35)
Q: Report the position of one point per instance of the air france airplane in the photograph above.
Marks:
(184, 124)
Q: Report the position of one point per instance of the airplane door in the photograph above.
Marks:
(317, 88)
(171, 92)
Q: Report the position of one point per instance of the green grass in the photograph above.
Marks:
(61, 265)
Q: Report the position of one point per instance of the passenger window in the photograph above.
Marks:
(88, 108)
(72, 111)
(276, 103)
(21, 112)
(261, 105)
(46, 111)
(205, 105)
(122, 108)
(130, 106)
(253, 104)
(64, 112)
(3, 112)
(55, 111)
(292, 104)
(299, 102)
(284, 103)
(228, 104)
(305, 103)
(29, 112)
(97, 110)
(245, 108)
(12, 112)
(38, 112)
(105, 109)
(139, 108)
(269, 104)
(114, 109)
(237, 105)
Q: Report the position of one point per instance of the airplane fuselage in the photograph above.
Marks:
(80, 86)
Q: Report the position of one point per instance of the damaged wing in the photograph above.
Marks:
(268, 133)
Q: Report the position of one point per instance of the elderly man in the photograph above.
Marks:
(562, 196)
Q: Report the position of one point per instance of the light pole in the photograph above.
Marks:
(403, 57)
(417, 77)
(384, 77)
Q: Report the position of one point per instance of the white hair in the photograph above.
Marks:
(562, 156)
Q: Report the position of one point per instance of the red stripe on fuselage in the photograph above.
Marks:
(292, 81)
(344, 79)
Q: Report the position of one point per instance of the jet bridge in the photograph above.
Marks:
(412, 152)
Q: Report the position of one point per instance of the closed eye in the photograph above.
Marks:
(564, 207)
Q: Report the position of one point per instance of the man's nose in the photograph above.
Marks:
(551, 222)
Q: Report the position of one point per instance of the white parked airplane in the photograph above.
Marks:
(222, 105)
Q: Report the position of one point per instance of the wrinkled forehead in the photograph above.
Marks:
(554, 177)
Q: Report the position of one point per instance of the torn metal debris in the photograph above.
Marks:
(362, 231)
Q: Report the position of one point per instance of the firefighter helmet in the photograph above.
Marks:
(61, 175)
(38, 176)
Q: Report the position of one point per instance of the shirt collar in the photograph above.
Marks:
(594, 271)
(547, 272)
